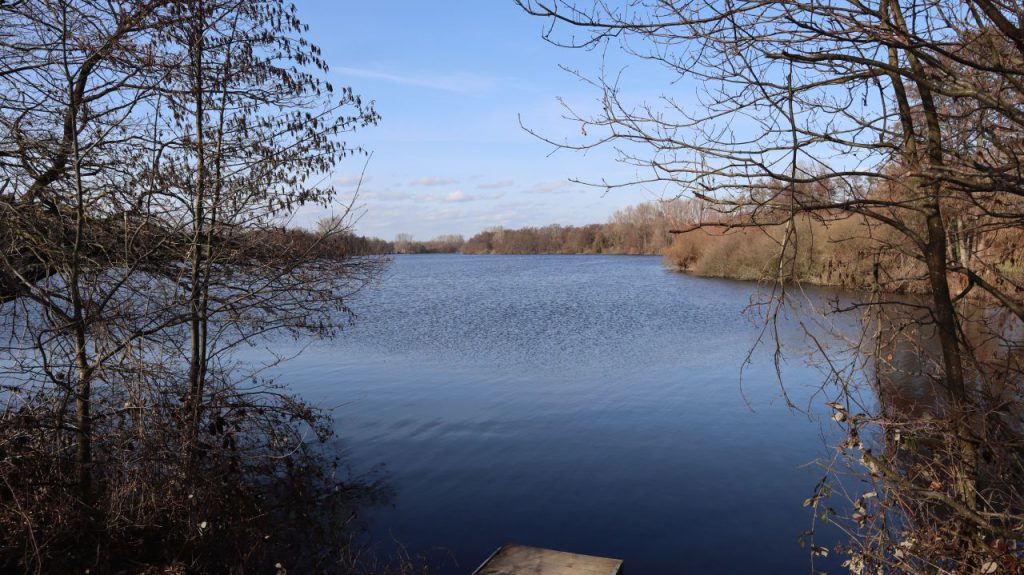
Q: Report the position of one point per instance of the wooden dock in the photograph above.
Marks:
(522, 560)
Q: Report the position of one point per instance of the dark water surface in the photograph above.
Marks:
(582, 403)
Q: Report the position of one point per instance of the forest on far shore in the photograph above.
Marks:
(694, 237)
(642, 229)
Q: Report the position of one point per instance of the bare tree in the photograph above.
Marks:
(250, 141)
(152, 153)
(72, 241)
(403, 242)
(899, 115)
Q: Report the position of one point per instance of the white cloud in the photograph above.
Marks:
(458, 82)
(432, 181)
(455, 197)
(386, 196)
(350, 180)
(495, 185)
(551, 187)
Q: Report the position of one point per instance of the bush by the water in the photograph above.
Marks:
(850, 253)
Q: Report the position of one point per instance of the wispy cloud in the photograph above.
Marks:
(386, 196)
(350, 180)
(456, 197)
(432, 181)
(496, 185)
(459, 82)
(551, 187)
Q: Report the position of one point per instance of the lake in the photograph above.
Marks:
(584, 403)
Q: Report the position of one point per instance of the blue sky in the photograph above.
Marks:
(451, 78)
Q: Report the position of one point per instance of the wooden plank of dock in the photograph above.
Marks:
(522, 560)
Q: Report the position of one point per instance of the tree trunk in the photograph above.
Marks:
(197, 306)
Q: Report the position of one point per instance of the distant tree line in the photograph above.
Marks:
(443, 244)
(739, 242)
(636, 230)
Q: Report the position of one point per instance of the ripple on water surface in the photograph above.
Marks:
(586, 403)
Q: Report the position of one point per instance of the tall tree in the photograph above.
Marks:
(253, 133)
(152, 153)
(74, 79)
(902, 111)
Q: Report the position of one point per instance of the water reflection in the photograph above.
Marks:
(906, 359)
(941, 469)
(593, 404)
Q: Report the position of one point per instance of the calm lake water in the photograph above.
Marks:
(583, 403)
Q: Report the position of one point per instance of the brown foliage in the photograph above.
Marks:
(636, 230)
(845, 253)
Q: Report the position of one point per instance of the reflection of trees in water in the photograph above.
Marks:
(909, 443)
(904, 364)
(903, 360)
